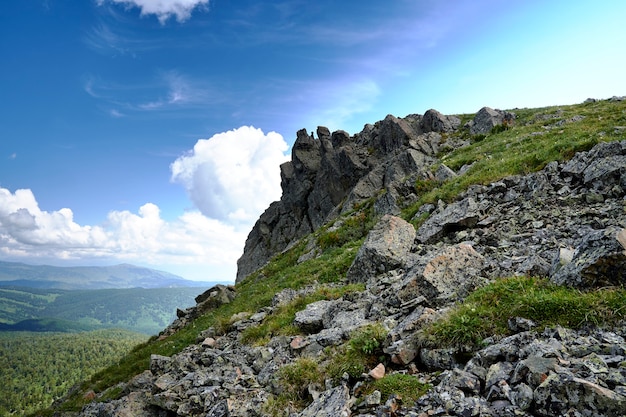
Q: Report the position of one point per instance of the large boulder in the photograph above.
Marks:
(488, 118)
(447, 276)
(456, 216)
(385, 248)
(433, 121)
(598, 261)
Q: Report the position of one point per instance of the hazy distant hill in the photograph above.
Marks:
(89, 277)
(144, 310)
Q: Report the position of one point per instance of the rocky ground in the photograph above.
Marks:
(561, 222)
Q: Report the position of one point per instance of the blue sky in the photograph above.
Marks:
(151, 131)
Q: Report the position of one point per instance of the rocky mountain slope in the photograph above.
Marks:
(359, 292)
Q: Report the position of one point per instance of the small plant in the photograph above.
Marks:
(352, 227)
(500, 128)
(407, 387)
(362, 352)
(368, 339)
(294, 379)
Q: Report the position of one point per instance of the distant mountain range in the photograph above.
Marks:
(90, 277)
(145, 310)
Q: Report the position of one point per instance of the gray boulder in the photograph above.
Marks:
(384, 249)
(487, 118)
(332, 403)
(562, 391)
(449, 275)
(598, 261)
(456, 216)
(433, 121)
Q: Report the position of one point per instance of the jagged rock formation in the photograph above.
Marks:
(564, 223)
(329, 175)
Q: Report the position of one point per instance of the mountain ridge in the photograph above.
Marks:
(90, 277)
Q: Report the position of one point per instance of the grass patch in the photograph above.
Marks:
(350, 227)
(293, 381)
(360, 354)
(485, 312)
(407, 387)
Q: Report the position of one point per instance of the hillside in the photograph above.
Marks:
(432, 265)
(144, 310)
(88, 277)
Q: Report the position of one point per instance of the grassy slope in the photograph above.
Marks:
(538, 137)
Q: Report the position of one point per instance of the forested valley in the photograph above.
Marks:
(37, 368)
(137, 309)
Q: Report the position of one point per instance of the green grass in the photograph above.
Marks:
(293, 381)
(407, 387)
(360, 354)
(280, 322)
(485, 312)
(527, 146)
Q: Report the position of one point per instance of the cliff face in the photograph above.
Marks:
(564, 223)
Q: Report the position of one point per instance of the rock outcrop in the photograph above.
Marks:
(329, 174)
(564, 223)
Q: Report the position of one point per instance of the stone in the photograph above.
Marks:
(487, 118)
(456, 216)
(497, 372)
(437, 359)
(561, 392)
(444, 173)
(433, 121)
(331, 403)
(520, 324)
(533, 370)
(598, 261)
(311, 319)
(449, 275)
(384, 249)
(378, 372)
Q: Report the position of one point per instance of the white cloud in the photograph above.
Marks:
(164, 9)
(30, 234)
(233, 176)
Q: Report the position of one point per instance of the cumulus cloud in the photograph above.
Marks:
(31, 234)
(164, 9)
(233, 176)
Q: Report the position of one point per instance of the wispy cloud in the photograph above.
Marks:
(167, 91)
(163, 9)
(179, 91)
